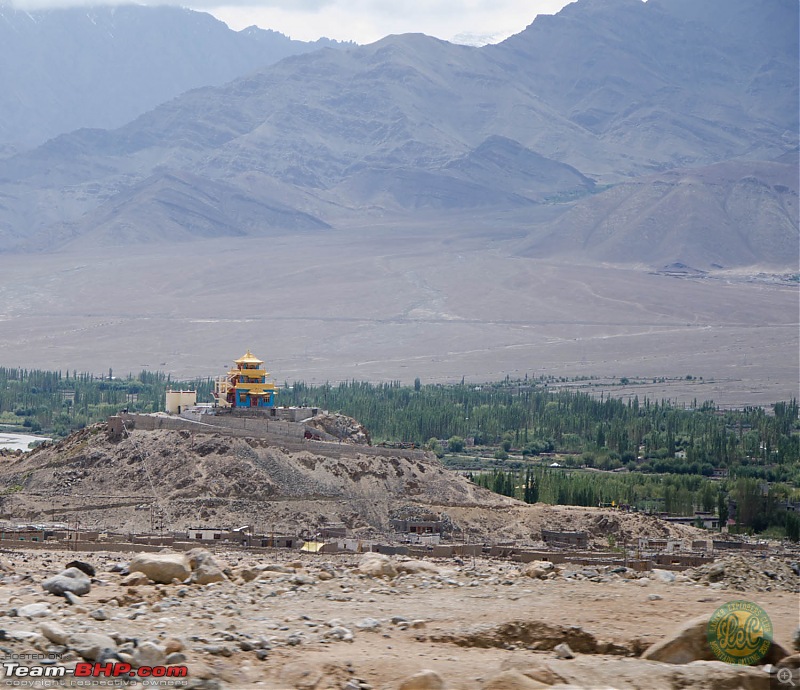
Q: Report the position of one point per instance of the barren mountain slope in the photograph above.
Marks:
(737, 213)
(66, 68)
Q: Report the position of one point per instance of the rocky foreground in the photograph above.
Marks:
(363, 622)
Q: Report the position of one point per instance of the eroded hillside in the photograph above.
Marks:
(281, 486)
(200, 478)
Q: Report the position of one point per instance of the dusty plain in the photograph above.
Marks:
(381, 304)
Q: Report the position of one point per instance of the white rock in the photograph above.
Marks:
(563, 651)
(134, 579)
(37, 610)
(149, 654)
(664, 576)
(417, 566)
(377, 565)
(90, 645)
(424, 680)
(54, 632)
(340, 633)
(162, 567)
(207, 572)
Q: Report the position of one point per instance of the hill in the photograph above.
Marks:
(722, 216)
(278, 484)
(225, 480)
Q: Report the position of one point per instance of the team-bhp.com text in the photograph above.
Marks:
(94, 670)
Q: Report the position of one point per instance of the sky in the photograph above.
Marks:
(365, 21)
(473, 22)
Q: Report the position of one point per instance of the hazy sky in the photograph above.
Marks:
(365, 21)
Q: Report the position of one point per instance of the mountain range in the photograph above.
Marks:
(63, 69)
(616, 130)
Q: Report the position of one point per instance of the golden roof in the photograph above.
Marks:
(249, 358)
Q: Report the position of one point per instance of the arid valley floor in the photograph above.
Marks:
(378, 305)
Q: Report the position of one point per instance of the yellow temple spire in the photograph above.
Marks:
(246, 386)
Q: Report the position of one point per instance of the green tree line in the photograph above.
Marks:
(657, 436)
(755, 505)
(57, 403)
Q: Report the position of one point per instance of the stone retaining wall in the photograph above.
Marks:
(288, 435)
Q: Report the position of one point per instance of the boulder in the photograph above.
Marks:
(377, 565)
(207, 572)
(149, 654)
(205, 568)
(162, 567)
(198, 556)
(424, 680)
(249, 573)
(690, 643)
(91, 646)
(70, 580)
(87, 568)
(512, 680)
(538, 569)
(665, 576)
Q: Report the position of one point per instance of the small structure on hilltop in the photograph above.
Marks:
(246, 386)
(177, 401)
